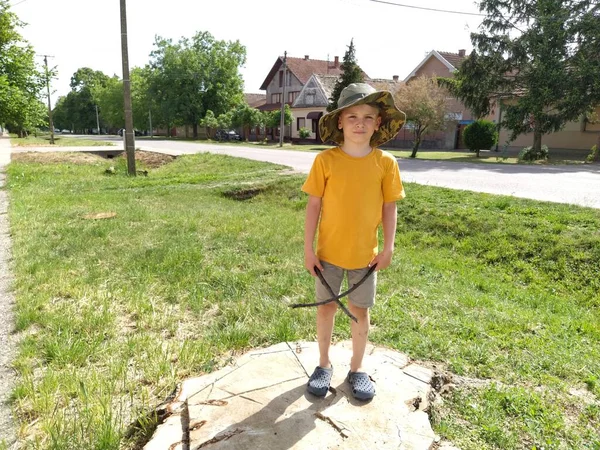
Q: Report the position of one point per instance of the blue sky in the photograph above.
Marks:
(389, 40)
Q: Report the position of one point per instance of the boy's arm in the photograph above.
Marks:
(389, 219)
(313, 211)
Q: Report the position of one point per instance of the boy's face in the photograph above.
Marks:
(359, 123)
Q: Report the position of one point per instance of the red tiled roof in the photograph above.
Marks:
(255, 100)
(303, 68)
(453, 58)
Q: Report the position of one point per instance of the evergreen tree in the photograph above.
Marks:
(352, 74)
(540, 55)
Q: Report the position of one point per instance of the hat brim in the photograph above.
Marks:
(392, 119)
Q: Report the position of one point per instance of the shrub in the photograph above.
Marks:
(528, 154)
(304, 133)
(480, 135)
(594, 154)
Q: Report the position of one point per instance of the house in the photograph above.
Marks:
(577, 136)
(442, 64)
(311, 104)
(298, 73)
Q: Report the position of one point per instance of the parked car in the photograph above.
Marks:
(227, 135)
(135, 132)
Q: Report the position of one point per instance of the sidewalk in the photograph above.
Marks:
(7, 338)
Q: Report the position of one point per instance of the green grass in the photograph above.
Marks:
(192, 270)
(59, 141)
(457, 156)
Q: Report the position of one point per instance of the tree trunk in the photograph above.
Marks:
(597, 154)
(477, 152)
(195, 130)
(416, 147)
(416, 144)
(537, 141)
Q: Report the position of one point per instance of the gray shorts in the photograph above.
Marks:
(363, 297)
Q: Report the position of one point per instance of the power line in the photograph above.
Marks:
(18, 3)
(428, 9)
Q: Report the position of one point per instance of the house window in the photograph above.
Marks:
(281, 78)
(289, 78)
(276, 98)
(292, 96)
(300, 122)
(315, 124)
(310, 98)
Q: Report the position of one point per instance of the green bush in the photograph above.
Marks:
(528, 154)
(304, 133)
(594, 154)
(480, 135)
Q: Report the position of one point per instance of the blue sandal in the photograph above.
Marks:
(362, 386)
(319, 381)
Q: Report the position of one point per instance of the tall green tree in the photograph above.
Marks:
(352, 74)
(78, 109)
(195, 75)
(540, 58)
(109, 97)
(21, 81)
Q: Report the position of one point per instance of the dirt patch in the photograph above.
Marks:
(152, 159)
(243, 194)
(57, 158)
(149, 159)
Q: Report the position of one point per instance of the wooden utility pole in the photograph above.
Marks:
(129, 136)
(282, 121)
(97, 121)
(51, 123)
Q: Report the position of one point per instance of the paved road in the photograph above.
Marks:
(576, 184)
(7, 336)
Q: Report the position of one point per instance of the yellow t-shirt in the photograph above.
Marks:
(353, 191)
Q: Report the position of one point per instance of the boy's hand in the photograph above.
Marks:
(383, 260)
(310, 261)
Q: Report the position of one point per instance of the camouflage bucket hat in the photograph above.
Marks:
(354, 94)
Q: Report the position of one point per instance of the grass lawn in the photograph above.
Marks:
(59, 141)
(188, 270)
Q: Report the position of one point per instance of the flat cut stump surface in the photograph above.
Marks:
(260, 402)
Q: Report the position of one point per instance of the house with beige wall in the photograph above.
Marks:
(441, 64)
(297, 73)
(577, 135)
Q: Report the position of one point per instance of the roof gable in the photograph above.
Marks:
(451, 60)
(304, 68)
(316, 92)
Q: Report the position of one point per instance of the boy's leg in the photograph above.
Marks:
(359, 303)
(326, 313)
(360, 336)
(325, 322)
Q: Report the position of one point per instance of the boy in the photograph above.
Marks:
(352, 189)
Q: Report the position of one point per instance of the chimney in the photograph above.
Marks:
(395, 77)
(462, 52)
(336, 61)
(305, 57)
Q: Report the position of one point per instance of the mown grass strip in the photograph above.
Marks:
(204, 256)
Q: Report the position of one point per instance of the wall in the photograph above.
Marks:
(274, 88)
